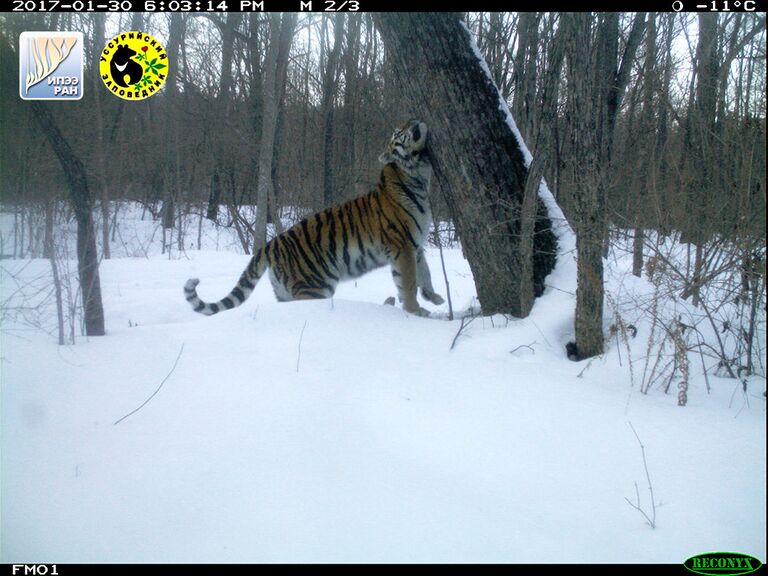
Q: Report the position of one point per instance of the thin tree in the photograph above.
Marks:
(172, 170)
(596, 80)
(585, 179)
(80, 198)
(221, 109)
(100, 148)
(280, 35)
(329, 87)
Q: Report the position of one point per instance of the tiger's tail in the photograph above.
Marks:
(239, 293)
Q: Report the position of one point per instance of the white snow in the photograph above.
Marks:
(348, 431)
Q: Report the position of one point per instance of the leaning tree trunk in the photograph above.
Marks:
(477, 159)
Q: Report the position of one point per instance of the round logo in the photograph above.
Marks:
(133, 65)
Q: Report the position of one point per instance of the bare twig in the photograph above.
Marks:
(156, 391)
(650, 519)
(529, 346)
(589, 363)
(301, 336)
(465, 321)
(445, 274)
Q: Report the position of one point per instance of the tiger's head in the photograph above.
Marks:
(407, 146)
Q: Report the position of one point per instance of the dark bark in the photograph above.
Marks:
(617, 73)
(476, 158)
(98, 98)
(80, 198)
(542, 115)
(49, 251)
(586, 107)
(648, 150)
(170, 180)
(287, 29)
(351, 99)
(524, 95)
(329, 94)
(701, 131)
(280, 35)
(221, 110)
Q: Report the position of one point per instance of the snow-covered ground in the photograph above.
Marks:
(348, 431)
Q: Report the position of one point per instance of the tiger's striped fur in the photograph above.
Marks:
(387, 226)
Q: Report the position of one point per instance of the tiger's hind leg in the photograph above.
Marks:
(313, 291)
(312, 294)
(424, 279)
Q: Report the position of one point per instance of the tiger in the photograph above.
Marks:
(389, 225)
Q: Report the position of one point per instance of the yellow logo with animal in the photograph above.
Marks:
(133, 65)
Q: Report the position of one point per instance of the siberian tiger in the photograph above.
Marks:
(387, 226)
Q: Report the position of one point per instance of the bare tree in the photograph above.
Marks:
(649, 149)
(585, 177)
(280, 35)
(596, 81)
(100, 149)
(80, 198)
(221, 109)
(541, 113)
(171, 173)
(330, 76)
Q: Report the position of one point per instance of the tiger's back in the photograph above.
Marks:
(386, 226)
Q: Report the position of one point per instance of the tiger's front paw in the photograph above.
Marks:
(433, 297)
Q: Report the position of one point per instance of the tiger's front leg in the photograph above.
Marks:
(424, 279)
(404, 275)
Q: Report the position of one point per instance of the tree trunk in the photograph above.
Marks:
(586, 113)
(596, 84)
(170, 181)
(482, 177)
(287, 28)
(351, 99)
(103, 178)
(221, 111)
(542, 114)
(330, 194)
(702, 128)
(49, 251)
(524, 94)
(80, 196)
(649, 136)
(278, 33)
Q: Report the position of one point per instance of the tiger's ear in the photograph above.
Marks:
(386, 157)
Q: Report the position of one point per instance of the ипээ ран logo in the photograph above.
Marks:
(51, 65)
(719, 563)
(133, 65)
